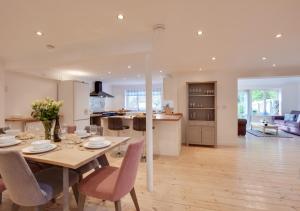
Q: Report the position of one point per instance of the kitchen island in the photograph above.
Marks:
(166, 133)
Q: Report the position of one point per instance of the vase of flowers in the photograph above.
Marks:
(46, 111)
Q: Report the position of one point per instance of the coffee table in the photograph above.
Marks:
(263, 128)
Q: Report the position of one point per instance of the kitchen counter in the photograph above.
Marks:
(167, 134)
(21, 120)
(158, 117)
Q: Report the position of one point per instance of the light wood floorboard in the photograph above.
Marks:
(257, 174)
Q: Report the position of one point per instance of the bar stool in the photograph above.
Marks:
(116, 124)
(139, 124)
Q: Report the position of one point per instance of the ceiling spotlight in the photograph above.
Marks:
(278, 35)
(213, 58)
(109, 72)
(264, 58)
(199, 32)
(200, 69)
(129, 66)
(39, 33)
(120, 17)
(273, 65)
(160, 71)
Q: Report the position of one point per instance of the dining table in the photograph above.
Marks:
(70, 155)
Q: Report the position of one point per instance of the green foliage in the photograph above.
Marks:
(46, 109)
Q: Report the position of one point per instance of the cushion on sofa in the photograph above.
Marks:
(298, 119)
(290, 117)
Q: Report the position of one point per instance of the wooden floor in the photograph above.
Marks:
(259, 174)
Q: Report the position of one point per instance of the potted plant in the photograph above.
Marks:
(46, 111)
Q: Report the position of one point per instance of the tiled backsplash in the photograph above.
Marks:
(97, 104)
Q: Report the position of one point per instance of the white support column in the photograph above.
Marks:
(2, 95)
(149, 124)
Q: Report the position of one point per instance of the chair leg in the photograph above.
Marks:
(134, 199)
(75, 192)
(15, 207)
(118, 205)
(81, 202)
(0, 198)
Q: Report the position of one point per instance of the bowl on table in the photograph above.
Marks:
(81, 133)
(97, 142)
(7, 140)
(12, 132)
(40, 145)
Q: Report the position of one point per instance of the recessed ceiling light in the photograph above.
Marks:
(129, 66)
(273, 65)
(39, 33)
(109, 72)
(199, 32)
(200, 69)
(213, 58)
(278, 35)
(160, 71)
(120, 17)
(263, 58)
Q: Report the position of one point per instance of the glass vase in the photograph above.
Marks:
(48, 128)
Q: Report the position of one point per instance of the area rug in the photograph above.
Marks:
(261, 134)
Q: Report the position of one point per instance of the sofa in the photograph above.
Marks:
(289, 123)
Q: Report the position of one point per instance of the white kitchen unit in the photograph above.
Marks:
(75, 96)
(166, 133)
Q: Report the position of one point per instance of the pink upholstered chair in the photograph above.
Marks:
(112, 183)
(2, 188)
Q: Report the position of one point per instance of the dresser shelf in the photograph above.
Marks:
(202, 112)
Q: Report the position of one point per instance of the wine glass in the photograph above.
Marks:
(93, 129)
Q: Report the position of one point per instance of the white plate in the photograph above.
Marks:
(84, 136)
(10, 144)
(102, 145)
(30, 150)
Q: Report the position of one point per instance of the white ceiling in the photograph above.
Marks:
(90, 41)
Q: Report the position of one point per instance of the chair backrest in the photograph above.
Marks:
(19, 180)
(115, 123)
(128, 170)
(139, 123)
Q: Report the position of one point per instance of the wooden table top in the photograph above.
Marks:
(68, 155)
(262, 125)
(20, 119)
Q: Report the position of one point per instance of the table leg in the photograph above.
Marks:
(103, 161)
(66, 189)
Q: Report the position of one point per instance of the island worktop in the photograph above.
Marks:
(166, 133)
(156, 117)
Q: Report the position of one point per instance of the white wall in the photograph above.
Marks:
(21, 90)
(2, 97)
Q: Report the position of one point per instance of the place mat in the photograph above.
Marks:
(258, 133)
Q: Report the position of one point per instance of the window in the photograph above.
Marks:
(265, 102)
(135, 99)
(243, 104)
(262, 102)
